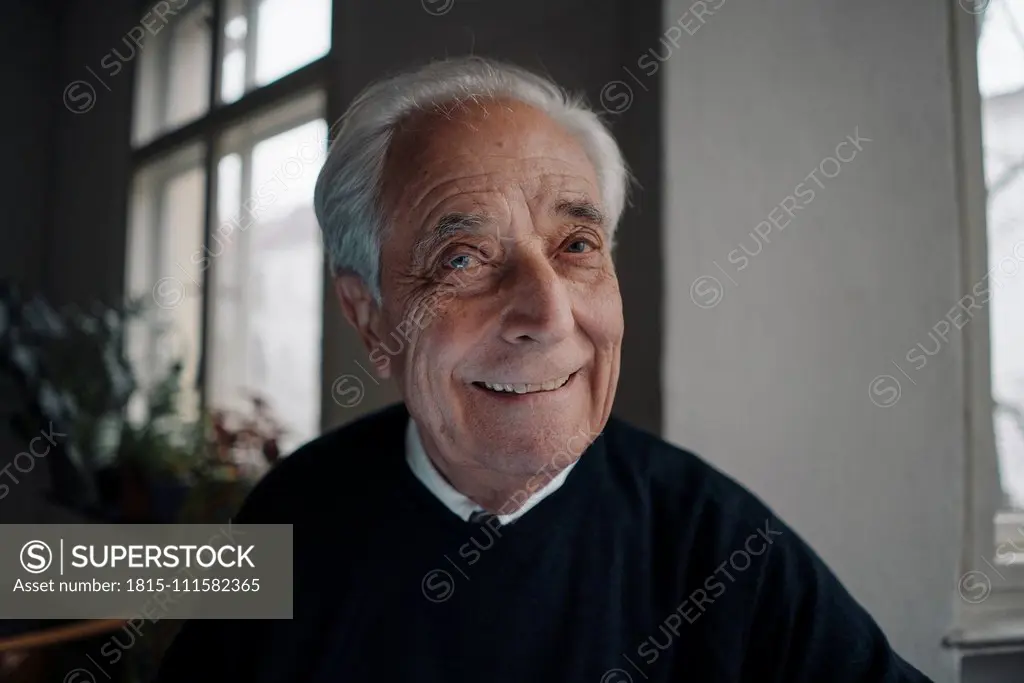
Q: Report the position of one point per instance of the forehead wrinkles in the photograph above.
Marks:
(479, 146)
(531, 188)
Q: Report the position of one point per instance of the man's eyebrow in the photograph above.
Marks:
(580, 209)
(447, 226)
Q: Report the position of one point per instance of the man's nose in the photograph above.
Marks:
(539, 307)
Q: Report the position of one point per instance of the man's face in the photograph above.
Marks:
(496, 270)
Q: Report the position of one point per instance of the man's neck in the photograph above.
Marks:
(500, 493)
(497, 492)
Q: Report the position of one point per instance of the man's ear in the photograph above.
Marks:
(362, 312)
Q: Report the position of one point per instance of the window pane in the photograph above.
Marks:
(1001, 78)
(165, 236)
(173, 77)
(267, 257)
(267, 39)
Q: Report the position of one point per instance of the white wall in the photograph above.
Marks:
(771, 384)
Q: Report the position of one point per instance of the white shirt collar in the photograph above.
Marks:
(427, 473)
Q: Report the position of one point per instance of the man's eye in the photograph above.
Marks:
(579, 246)
(461, 262)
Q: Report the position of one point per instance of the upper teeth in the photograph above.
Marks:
(528, 388)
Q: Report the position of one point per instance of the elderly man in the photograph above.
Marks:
(499, 525)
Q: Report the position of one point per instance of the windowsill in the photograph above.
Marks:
(997, 635)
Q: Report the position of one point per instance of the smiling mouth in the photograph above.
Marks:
(524, 388)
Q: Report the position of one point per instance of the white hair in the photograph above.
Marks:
(347, 195)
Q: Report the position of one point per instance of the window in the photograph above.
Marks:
(167, 206)
(1001, 83)
(989, 39)
(266, 39)
(266, 296)
(173, 77)
(222, 234)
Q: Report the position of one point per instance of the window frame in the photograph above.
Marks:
(982, 487)
(243, 140)
(156, 178)
(206, 132)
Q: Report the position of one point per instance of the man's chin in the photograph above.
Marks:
(520, 452)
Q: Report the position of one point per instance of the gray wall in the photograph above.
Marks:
(64, 194)
(28, 71)
(64, 191)
(771, 383)
(28, 74)
(91, 170)
(1002, 668)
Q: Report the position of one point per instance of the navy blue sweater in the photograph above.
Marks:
(646, 565)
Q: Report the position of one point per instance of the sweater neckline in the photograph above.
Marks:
(572, 494)
(464, 507)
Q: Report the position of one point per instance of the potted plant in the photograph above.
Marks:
(72, 371)
(239, 447)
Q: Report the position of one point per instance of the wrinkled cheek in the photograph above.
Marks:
(600, 317)
(431, 306)
(611, 314)
(411, 327)
(429, 366)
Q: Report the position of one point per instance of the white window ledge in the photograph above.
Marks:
(991, 637)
